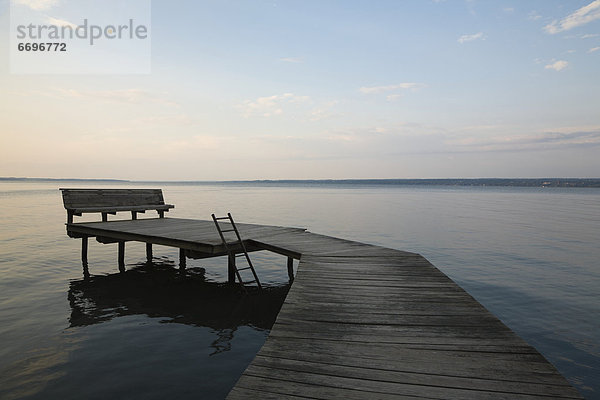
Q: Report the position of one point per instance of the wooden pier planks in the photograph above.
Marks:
(366, 322)
(389, 325)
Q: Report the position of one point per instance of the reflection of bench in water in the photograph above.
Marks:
(362, 321)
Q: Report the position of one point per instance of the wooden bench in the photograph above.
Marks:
(111, 201)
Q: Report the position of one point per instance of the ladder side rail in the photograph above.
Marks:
(227, 248)
(237, 233)
(231, 253)
(239, 238)
(215, 219)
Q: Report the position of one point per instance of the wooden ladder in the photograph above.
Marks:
(231, 251)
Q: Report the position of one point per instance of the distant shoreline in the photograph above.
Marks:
(506, 182)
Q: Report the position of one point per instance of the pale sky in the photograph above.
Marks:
(322, 89)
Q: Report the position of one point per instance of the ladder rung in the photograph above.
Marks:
(245, 283)
(227, 230)
(220, 218)
(240, 255)
(242, 269)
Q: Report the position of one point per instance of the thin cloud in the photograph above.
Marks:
(361, 135)
(270, 106)
(325, 111)
(557, 65)
(470, 38)
(582, 16)
(534, 16)
(389, 88)
(191, 144)
(135, 96)
(167, 120)
(593, 49)
(60, 22)
(540, 141)
(38, 5)
(294, 60)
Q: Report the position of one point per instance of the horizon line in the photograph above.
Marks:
(12, 178)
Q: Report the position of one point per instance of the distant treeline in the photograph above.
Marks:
(517, 182)
(520, 182)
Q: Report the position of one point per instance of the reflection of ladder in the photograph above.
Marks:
(229, 246)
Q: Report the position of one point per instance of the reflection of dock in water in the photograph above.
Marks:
(159, 290)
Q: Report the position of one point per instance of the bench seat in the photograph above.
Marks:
(81, 210)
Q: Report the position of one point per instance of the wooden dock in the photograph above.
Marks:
(362, 321)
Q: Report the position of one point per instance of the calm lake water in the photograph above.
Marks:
(530, 255)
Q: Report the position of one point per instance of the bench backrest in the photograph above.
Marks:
(88, 198)
(110, 201)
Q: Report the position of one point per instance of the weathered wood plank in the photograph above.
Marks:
(456, 362)
(329, 390)
(470, 344)
(269, 377)
(378, 371)
(239, 393)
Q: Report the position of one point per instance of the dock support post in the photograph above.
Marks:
(149, 252)
(122, 256)
(231, 268)
(290, 267)
(182, 258)
(84, 257)
(84, 250)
